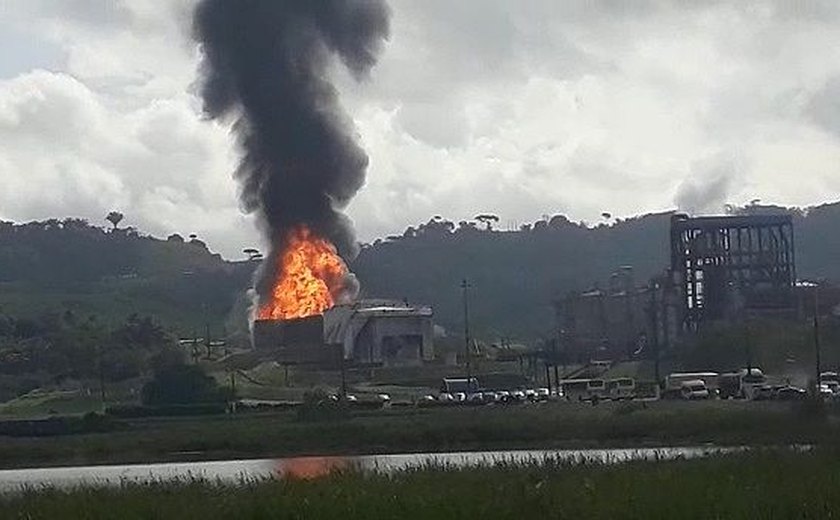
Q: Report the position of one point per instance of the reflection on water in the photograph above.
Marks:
(310, 467)
(313, 467)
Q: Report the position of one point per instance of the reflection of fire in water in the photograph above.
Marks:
(310, 467)
(310, 276)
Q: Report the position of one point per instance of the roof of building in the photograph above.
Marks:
(729, 221)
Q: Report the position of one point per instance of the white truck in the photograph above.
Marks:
(741, 384)
(674, 382)
(694, 389)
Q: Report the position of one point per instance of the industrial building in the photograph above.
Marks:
(723, 269)
(620, 321)
(365, 333)
(727, 266)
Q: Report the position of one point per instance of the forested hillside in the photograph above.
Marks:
(58, 265)
(513, 275)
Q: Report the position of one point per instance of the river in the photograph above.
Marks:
(309, 467)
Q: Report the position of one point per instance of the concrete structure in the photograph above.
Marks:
(294, 342)
(381, 332)
(620, 322)
(369, 332)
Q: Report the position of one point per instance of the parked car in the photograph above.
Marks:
(503, 396)
(695, 389)
(790, 393)
(764, 393)
(476, 398)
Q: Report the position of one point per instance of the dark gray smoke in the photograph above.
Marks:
(265, 66)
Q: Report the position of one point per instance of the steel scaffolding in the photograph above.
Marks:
(724, 265)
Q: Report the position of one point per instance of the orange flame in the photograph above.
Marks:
(310, 275)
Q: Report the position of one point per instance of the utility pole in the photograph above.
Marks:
(465, 286)
(343, 373)
(554, 355)
(101, 376)
(206, 330)
(748, 343)
(547, 376)
(817, 338)
(232, 374)
(653, 319)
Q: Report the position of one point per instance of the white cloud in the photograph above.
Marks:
(517, 108)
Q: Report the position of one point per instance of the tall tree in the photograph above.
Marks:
(487, 220)
(115, 217)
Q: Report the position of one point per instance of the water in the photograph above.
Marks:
(309, 467)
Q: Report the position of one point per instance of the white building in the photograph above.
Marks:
(381, 332)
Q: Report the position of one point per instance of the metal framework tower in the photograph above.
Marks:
(725, 265)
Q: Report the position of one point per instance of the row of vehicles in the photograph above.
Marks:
(747, 383)
(741, 384)
(493, 396)
(458, 390)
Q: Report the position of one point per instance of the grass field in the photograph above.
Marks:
(548, 425)
(769, 484)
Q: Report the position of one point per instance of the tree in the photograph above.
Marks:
(487, 220)
(182, 384)
(410, 232)
(115, 217)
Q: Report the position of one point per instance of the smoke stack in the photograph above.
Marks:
(265, 68)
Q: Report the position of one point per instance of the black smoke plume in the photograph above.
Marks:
(265, 67)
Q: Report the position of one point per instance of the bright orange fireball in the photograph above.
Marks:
(310, 275)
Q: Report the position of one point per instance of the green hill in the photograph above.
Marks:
(514, 275)
(52, 266)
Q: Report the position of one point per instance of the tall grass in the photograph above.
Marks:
(770, 484)
(550, 426)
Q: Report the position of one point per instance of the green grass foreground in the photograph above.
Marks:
(780, 484)
(549, 425)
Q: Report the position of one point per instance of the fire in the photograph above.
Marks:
(310, 275)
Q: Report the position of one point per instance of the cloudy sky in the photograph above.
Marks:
(524, 108)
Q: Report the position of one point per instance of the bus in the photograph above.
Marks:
(621, 388)
(584, 389)
(453, 385)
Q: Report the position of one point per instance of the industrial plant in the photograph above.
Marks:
(364, 333)
(722, 269)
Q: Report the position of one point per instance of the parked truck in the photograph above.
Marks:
(674, 383)
(741, 384)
